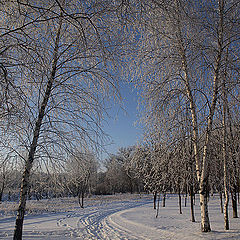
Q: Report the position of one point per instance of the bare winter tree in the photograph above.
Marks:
(224, 150)
(81, 169)
(132, 182)
(6, 172)
(63, 66)
(182, 58)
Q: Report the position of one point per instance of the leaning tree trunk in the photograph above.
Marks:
(203, 186)
(30, 159)
(202, 175)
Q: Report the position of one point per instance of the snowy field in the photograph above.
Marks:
(123, 217)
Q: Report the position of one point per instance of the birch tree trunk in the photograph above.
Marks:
(164, 200)
(224, 149)
(203, 176)
(179, 201)
(29, 162)
(234, 202)
(81, 198)
(192, 205)
(221, 201)
(154, 199)
(234, 166)
(158, 204)
(1, 191)
(185, 201)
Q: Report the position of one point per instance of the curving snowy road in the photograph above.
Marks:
(123, 217)
(100, 222)
(135, 220)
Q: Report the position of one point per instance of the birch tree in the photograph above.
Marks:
(182, 58)
(225, 164)
(64, 68)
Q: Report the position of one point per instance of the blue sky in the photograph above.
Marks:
(121, 126)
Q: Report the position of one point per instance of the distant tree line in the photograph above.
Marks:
(80, 177)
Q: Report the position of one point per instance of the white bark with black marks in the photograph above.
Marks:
(30, 159)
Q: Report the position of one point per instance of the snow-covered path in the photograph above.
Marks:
(123, 219)
(92, 222)
(97, 223)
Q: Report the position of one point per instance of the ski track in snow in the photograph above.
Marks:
(97, 223)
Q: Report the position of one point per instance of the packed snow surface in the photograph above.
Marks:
(124, 217)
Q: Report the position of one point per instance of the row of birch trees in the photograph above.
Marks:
(58, 68)
(188, 69)
(60, 62)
